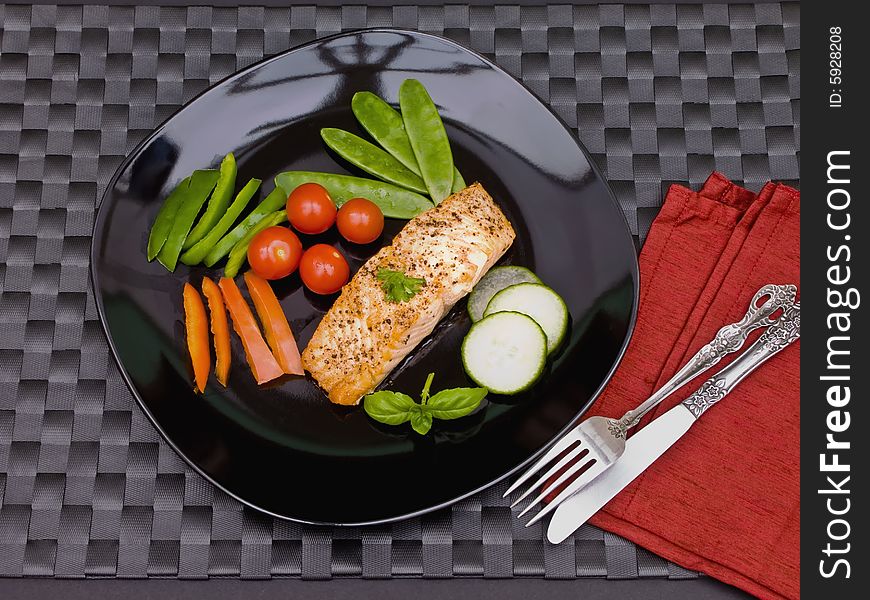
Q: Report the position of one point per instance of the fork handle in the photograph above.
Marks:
(783, 332)
(728, 339)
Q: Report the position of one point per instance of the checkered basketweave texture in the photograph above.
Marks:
(658, 94)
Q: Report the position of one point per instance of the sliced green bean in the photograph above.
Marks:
(385, 125)
(276, 199)
(201, 183)
(165, 217)
(393, 201)
(198, 251)
(372, 159)
(458, 182)
(220, 199)
(428, 138)
(239, 253)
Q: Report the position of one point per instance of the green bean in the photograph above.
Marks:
(201, 183)
(393, 201)
(385, 125)
(239, 253)
(276, 199)
(458, 182)
(198, 251)
(220, 199)
(371, 159)
(428, 138)
(165, 217)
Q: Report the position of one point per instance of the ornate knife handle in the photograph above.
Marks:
(783, 332)
(728, 339)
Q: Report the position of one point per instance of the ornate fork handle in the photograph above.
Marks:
(783, 332)
(728, 339)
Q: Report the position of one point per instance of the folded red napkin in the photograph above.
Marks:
(725, 498)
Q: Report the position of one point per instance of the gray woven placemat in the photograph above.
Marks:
(658, 94)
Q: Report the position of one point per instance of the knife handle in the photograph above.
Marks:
(785, 330)
(727, 340)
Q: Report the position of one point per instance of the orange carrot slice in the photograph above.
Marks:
(196, 327)
(220, 330)
(263, 364)
(275, 324)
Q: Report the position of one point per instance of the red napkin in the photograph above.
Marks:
(725, 499)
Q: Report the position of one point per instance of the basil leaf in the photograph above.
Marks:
(392, 408)
(455, 403)
(421, 419)
(395, 408)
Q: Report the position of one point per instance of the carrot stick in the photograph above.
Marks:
(196, 327)
(220, 330)
(263, 364)
(275, 324)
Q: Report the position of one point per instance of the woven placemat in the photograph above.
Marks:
(658, 94)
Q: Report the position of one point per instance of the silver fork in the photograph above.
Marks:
(601, 440)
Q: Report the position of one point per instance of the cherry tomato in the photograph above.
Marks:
(323, 269)
(360, 221)
(274, 252)
(310, 209)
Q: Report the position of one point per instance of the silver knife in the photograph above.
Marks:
(643, 448)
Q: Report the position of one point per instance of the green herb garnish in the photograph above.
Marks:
(399, 287)
(395, 408)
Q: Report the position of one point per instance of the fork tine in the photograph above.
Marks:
(576, 485)
(552, 453)
(568, 474)
(572, 455)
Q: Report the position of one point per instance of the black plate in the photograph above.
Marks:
(285, 449)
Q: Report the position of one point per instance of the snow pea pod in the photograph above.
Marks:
(220, 199)
(458, 182)
(239, 253)
(371, 159)
(385, 125)
(165, 217)
(276, 199)
(198, 251)
(393, 201)
(428, 138)
(201, 183)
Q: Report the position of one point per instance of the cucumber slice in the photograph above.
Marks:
(492, 283)
(539, 302)
(505, 352)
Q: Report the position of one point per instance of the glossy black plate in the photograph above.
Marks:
(285, 449)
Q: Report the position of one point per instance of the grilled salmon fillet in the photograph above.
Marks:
(364, 335)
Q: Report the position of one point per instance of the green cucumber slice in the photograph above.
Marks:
(492, 283)
(539, 302)
(505, 353)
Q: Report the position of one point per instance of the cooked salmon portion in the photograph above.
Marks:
(365, 335)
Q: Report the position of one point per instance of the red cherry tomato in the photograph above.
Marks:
(360, 221)
(274, 252)
(310, 209)
(323, 269)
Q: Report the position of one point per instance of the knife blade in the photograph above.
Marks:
(641, 450)
(646, 446)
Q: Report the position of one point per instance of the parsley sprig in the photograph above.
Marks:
(397, 286)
